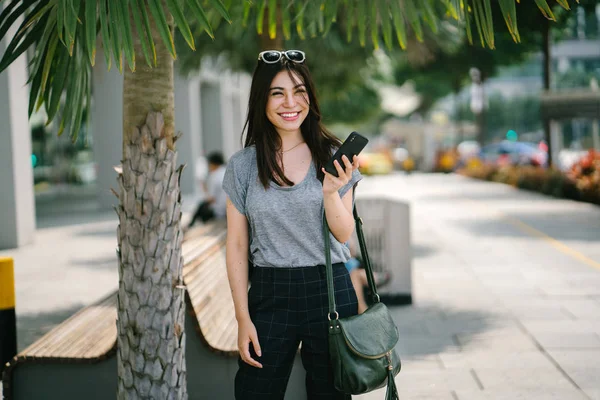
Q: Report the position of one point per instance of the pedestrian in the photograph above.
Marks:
(358, 276)
(277, 190)
(215, 204)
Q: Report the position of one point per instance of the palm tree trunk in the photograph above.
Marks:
(151, 338)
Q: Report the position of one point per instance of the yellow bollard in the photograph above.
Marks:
(8, 320)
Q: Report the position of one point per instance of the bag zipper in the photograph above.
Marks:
(388, 353)
(389, 358)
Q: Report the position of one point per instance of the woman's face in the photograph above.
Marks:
(287, 106)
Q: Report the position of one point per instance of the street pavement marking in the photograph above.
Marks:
(560, 246)
(555, 243)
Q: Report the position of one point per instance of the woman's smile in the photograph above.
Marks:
(290, 116)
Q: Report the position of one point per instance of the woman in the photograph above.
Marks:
(277, 190)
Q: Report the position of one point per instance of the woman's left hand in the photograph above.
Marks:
(331, 184)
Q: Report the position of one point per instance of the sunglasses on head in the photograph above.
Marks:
(274, 56)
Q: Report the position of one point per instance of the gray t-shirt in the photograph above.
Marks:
(285, 223)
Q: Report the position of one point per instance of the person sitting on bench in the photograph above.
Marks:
(215, 205)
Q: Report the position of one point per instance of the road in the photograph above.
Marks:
(506, 288)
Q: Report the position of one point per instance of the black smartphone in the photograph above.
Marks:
(351, 147)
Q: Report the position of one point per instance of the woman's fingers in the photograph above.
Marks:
(256, 345)
(355, 163)
(349, 167)
(339, 168)
(336, 181)
(245, 354)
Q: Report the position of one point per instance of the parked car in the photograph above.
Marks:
(375, 164)
(514, 153)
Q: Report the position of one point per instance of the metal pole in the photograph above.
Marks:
(8, 320)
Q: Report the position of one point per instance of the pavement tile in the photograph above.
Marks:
(528, 313)
(420, 362)
(498, 342)
(576, 326)
(455, 326)
(518, 393)
(425, 344)
(583, 308)
(570, 290)
(593, 393)
(492, 358)
(569, 341)
(436, 381)
(547, 377)
(583, 366)
(408, 395)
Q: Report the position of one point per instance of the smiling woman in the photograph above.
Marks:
(288, 105)
(277, 193)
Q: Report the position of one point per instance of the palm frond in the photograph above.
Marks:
(64, 34)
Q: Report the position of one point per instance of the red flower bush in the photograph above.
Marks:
(581, 182)
(586, 175)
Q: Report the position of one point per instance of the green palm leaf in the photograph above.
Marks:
(202, 17)
(510, 17)
(64, 32)
(272, 18)
(143, 34)
(545, 8)
(90, 29)
(180, 21)
(374, 25)
(260, 17)
(105, 30)
(399, 24)
(115, 34)
(122, 10)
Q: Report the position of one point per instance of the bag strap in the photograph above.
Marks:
(365, 258)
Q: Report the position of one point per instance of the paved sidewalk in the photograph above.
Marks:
(506, 287)
(71, 264)
(501, 311)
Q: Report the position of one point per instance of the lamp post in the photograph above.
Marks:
(478, 103)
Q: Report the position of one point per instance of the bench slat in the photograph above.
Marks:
(91, 332)
(57, 342)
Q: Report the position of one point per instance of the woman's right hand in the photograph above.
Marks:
(247, 336)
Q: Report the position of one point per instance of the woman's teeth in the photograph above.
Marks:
(289, 115)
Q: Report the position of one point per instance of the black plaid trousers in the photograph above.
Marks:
(289, 306)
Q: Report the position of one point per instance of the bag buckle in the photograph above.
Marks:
(389, 358)
(337, 316)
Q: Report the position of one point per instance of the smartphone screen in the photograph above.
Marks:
(351, 147)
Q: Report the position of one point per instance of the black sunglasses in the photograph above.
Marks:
(274, 56)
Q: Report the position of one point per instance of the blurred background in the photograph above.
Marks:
(442, 105)
(493, 155)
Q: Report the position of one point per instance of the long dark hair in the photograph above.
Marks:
(261, 132)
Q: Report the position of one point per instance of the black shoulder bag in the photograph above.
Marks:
(361, 347)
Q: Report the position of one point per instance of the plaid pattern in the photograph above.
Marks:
(289, 306)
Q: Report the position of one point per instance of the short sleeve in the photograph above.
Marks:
(235, 185)
(356, 177)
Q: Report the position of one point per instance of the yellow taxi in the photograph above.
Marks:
(375, 164)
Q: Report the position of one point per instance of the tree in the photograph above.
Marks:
(334, 61)
(151, 339)
(446, 69)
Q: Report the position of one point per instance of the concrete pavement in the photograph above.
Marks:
(71, 264)
(506, 291)
(506, 287)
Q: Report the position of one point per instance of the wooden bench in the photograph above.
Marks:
(77, 359)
